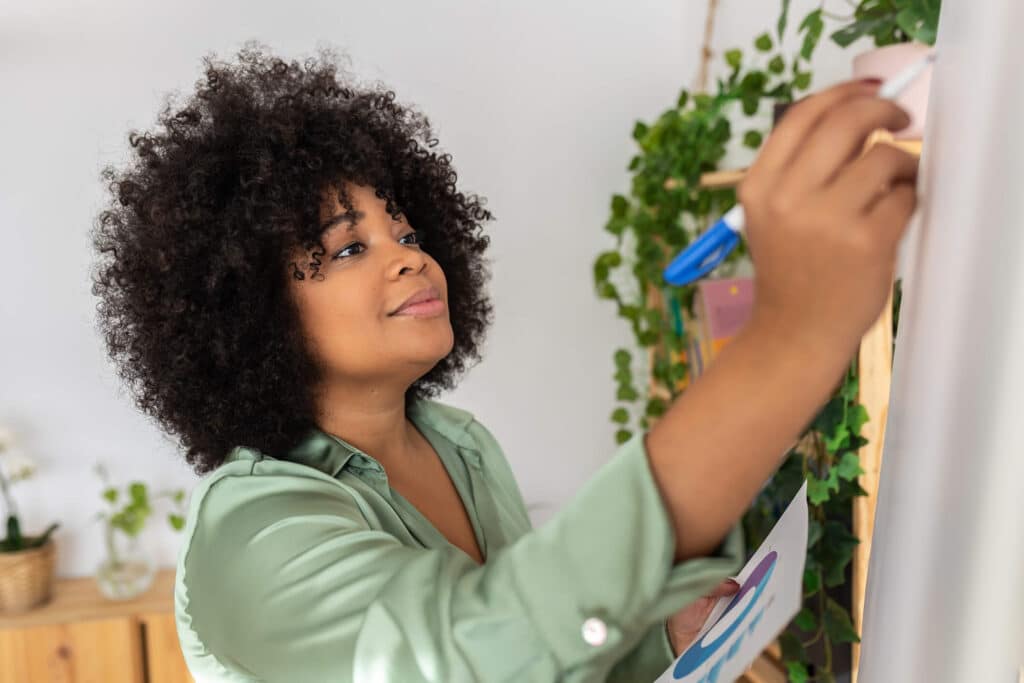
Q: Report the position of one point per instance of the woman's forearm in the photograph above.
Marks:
(723, 437)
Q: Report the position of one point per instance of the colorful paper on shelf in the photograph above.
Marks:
(721, 309)
(741, 626)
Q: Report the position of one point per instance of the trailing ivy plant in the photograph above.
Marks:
(665, 210)
(886, 22)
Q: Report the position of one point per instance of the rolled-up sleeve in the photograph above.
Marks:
(288, 581)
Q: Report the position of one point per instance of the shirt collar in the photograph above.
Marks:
(331, 454)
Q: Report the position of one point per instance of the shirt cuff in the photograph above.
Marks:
(617, 540)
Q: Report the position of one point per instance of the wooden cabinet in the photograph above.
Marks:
(82, 637)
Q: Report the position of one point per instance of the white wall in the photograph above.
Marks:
(535, 100)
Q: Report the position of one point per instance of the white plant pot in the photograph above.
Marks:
(885, 62)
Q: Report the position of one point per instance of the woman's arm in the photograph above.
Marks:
(824, 226)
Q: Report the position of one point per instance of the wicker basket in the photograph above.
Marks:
(26, 578)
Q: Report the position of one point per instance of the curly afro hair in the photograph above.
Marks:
(193, 246)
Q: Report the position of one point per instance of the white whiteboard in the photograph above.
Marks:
(945, 598)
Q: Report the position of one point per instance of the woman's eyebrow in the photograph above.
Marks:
(349, 217)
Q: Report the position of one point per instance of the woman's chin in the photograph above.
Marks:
(432, 347)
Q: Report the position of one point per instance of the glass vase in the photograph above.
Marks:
(125, 571)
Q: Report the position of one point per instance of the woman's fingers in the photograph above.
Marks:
(727, 587)
(862, 183)
(892, 212)
(800, 119)
(838, 139)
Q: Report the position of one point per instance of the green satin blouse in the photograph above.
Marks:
(307, 567)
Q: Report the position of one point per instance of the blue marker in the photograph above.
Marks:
(711, 248)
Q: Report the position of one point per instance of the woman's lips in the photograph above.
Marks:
(424, 309)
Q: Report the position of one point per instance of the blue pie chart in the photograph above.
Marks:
(705, 649)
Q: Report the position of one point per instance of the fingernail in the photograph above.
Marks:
(871, 81)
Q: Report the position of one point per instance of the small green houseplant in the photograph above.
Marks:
(902, 32)
(26, 561)
(886, 22)
(125, 571)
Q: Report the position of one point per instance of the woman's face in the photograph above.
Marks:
(370, 268)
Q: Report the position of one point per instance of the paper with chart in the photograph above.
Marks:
(742, 625)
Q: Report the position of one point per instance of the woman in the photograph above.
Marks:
(288, 276)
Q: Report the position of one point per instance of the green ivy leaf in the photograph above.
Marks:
(812, 582)
(627, 394)
(874, 26)
(841, 437)
(623, 358)
(640, 131)
(684, 97)
(616, 226)
(622, 436)
(777, 65)
(733, 58)
(621, 416)
(620, 205)
(811, 27)
(655, 407)
(837, 623)
(856, 418)
(829, 416)
(752, 139)
(677, 372)
(607, 291)
(783, 18)
(110, 494)
(792, 648)
(802, 80)
(137, 491)
(751, 102)
(833, 480)
(763, 42)
(836, 551)
(630, 313)
(849, 467)
(806, 620)
(177, 521)
(797, 672)
(817, 490)
(612, 259)
(648, 338)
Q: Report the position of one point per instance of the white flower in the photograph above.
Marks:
(17, 467)
(6, 439)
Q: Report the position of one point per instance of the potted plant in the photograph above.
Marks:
(26, 562)
(902, 30)
(126, 572)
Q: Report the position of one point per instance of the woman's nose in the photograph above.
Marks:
(407, 259)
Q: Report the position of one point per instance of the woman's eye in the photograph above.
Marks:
(341, 253)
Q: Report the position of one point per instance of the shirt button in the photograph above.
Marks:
(595, 631)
